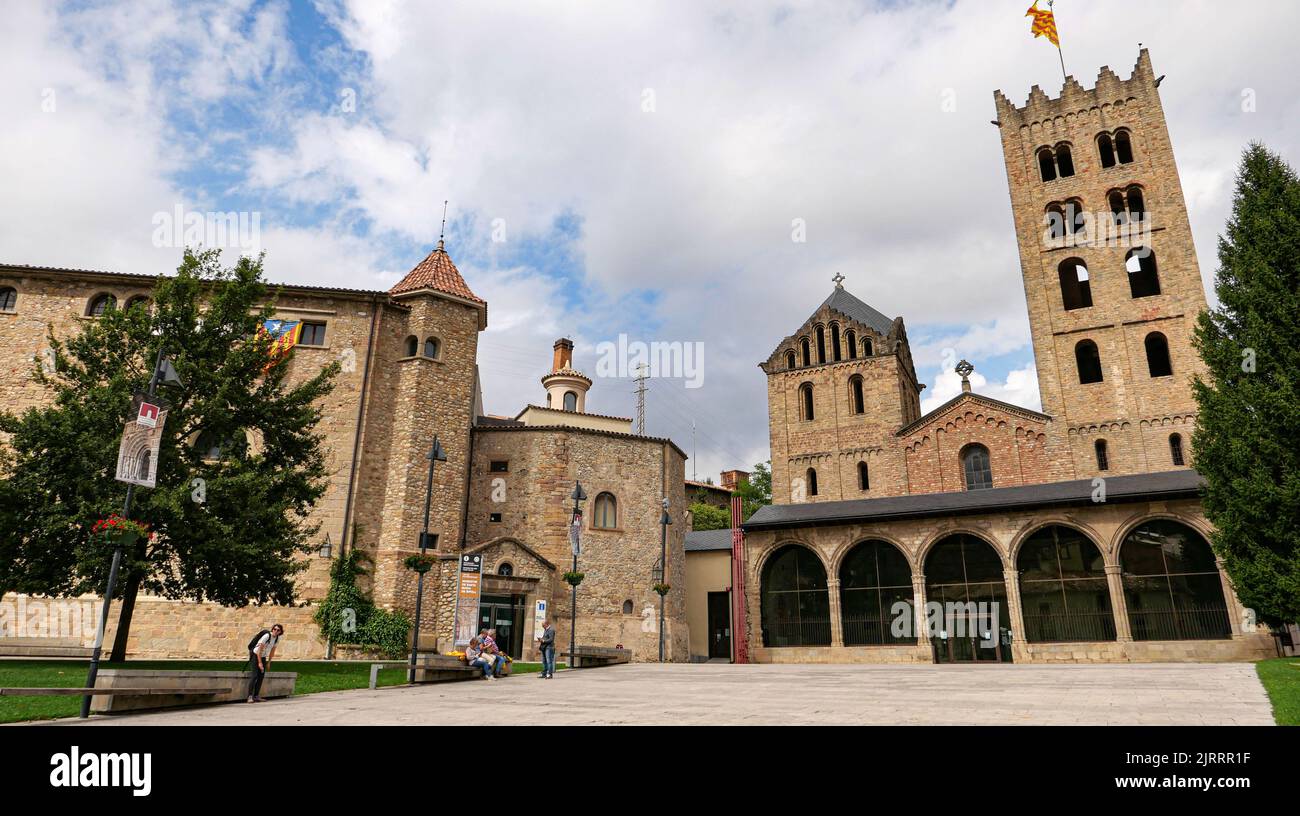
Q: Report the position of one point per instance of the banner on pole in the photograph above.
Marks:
(137, 456)
(468, 590)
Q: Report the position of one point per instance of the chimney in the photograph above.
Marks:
(563, 355)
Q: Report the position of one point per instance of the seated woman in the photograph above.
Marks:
(477, 660)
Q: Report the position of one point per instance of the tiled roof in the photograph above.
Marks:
(436, 272)
(708, 540)
(849, 306)
(1173, 484)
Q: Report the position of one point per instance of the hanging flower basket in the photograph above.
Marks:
(662, 589)
(116, 531)
(574, 578)
(419, 563)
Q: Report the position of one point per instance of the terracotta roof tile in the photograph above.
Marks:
(436, 272)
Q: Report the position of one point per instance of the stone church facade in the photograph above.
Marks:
(409, 373)
(1074, 533)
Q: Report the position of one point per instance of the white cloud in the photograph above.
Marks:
(1019, 388)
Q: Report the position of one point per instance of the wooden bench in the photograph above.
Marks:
(588, 657)
(84, 692)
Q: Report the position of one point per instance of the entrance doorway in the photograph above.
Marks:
(720, 625)
(964, 575)
(507, 615)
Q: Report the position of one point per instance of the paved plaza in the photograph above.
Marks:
(719, 693)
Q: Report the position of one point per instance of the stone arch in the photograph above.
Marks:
(836, 558)
(1057, 520)
(923, 551)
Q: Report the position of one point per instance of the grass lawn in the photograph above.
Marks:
(1281, 679)
(313, 677)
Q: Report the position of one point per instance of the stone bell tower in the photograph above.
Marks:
(1110, 272)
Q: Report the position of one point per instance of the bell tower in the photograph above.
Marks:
(1110, 273)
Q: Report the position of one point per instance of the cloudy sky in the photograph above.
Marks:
(612, 167)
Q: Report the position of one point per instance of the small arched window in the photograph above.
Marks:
(1158, 355)
(100, 304)
(1055, 217)
(806, 402)
(1143, 276)
(864, 477)
(1176, 449)
(857, 404)
(805, 351)
(1106, 150)
(412, 346)
(8, 299)
(1118, 209)
(431, 348)
(851, 340)
(627, 607)
(506, 569)
(976, 467)
(811, 476)
(1137, 205)
(821, 345)
(1046, 164)
(1076, 219)
(836, 354)
(1088, 361)
(1123, 147)
(866, 347)
(1076, 288)
(1103, 461)
(1064, 161)
(789, 360)
(570, 401)
(137, 300)
(606, 515)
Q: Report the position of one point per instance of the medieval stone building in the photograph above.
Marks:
(1074, 533)
(502, 496)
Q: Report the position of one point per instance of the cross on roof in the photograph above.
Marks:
(839, 280)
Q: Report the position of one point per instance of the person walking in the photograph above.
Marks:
(546, 642)
(260, 651)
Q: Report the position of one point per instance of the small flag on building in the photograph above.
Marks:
(284, 335)
(1044, 24)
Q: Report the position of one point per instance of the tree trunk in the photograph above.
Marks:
(129, 592)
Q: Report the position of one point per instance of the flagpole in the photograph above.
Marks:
(1059, 53)
(1062, 56)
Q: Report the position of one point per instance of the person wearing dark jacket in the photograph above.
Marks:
(546, 642)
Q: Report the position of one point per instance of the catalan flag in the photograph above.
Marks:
(284, 336)
(1044, 24)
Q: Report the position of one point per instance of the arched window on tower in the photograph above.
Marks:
(866, 347)
(1137, 205)
(570, 401)
(1143, 276)
(864, 477)
(1123, 146)
(1088, 360)
(1046, 164)
(431, 348)
(805, 351)
(1076, 290)
(857, 404)
(811, 477)
(976, 467)
(789, 360)
(1064, 160)
(836, 352)
(1176, 449)
(1118, 209)
(412, 346)
(821, 345)
(1106, 150)
(1056, 224)
(851, 340)
(1103, 461)
(806, 402)
(1158, 355)
(606, 515)
(1076, 219)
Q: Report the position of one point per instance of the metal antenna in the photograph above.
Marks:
(443, 231)
(640, 381)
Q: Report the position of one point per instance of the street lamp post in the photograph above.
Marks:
(435, 455)
(158, 372)
(664, 521)
(575, 534)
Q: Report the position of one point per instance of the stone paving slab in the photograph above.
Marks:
(713, 693)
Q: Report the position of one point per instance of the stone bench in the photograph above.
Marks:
(86, 692)
(43, 647)
(587, 657)
(430, 669)
(118, 690)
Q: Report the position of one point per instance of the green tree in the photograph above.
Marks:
(756, 491)
(225, 528)
(707, 517)
(1246, 443)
